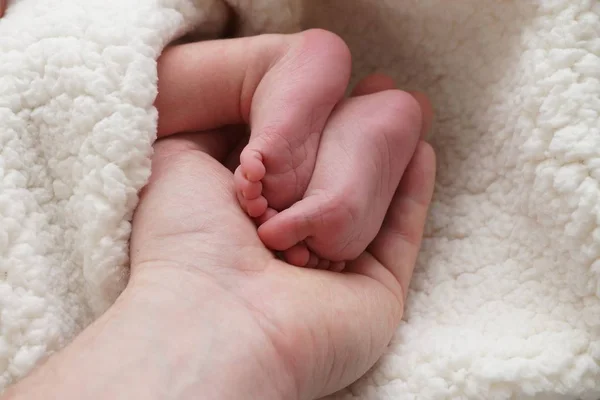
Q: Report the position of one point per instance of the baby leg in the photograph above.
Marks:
(368, 142)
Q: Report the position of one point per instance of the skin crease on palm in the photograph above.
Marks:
(209, 311)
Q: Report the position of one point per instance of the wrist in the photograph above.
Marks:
(219, 350)
(167, 337)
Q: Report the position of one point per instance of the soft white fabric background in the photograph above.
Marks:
(505, 302)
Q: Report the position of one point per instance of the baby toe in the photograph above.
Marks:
(297, 255)
(337, 266)
(252, 166)
(313, 261)
(241, 201)
(256, 207)
(323, 264)
(249, 190)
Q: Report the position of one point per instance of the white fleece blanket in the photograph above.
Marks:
(505, 303)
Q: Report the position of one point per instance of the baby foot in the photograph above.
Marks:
(367, 144)
(299, 254)
(305, 83)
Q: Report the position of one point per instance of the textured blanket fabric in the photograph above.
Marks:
(505, 303)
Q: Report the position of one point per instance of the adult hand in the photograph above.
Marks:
(210, 312)
(276, 331)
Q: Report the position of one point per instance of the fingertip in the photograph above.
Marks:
(426, 110)
(374, 83)
(419, 179)
(429, 165)
(428, 157)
